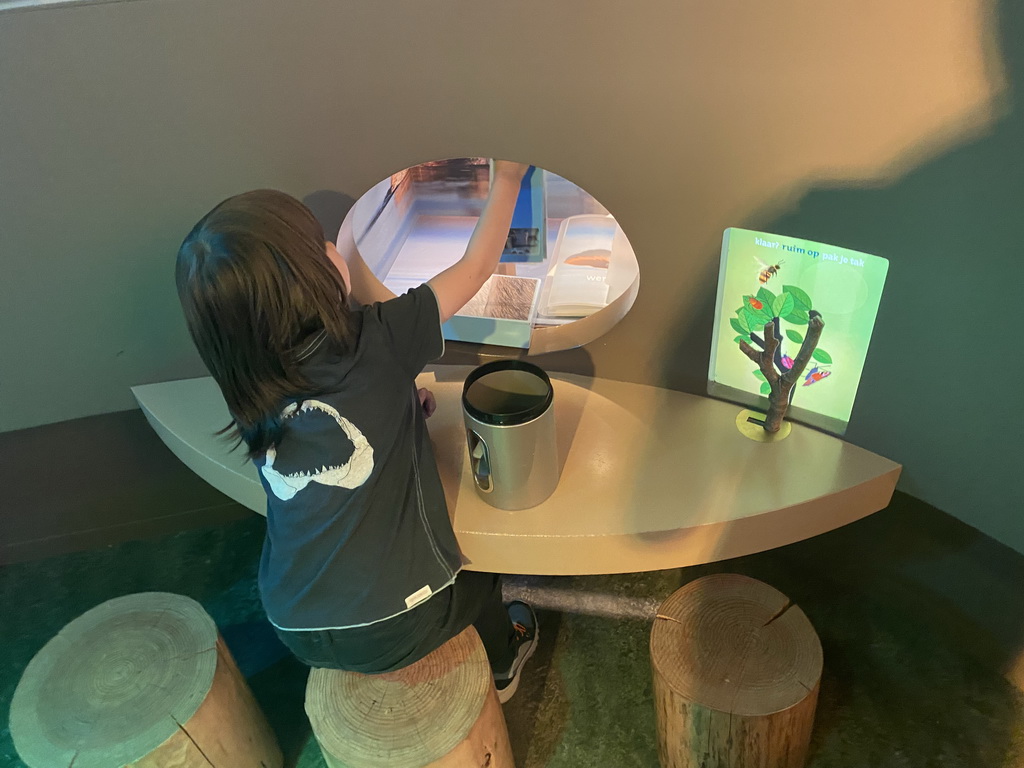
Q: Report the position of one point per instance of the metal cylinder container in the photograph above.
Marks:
(508, 409)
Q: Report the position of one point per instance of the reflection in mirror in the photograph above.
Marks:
(566, 258)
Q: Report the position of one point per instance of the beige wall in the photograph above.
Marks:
(883, 126)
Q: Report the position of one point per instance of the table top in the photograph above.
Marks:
(651, 478)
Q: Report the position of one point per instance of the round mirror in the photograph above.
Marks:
(566, 276)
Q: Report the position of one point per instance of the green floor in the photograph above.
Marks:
(908, 680)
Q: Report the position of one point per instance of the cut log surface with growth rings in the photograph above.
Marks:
(141, 681)
(736, 674)
(442, 712)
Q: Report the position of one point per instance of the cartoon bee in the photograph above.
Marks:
(768, 271)
(816, 374)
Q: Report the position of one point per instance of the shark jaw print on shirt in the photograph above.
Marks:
(351, 474)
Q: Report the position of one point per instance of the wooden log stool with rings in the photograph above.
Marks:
(441, 711)
(736, 673)
(141, 681)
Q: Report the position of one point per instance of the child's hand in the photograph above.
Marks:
(462, 280)
(427, 401)
(508, 169)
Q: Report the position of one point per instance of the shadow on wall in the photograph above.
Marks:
(943, 376)
(937, 384)
(330, 209)
(937, 389)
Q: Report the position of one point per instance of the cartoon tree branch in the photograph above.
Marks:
(782, 383)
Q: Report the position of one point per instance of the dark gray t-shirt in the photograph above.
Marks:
(357, 526)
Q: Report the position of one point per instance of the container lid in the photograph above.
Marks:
(507, 392)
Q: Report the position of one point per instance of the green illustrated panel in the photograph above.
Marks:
(767, 278)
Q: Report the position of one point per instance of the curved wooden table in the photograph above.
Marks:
(651, 478)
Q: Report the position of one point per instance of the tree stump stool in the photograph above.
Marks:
(441, 711)
(142, 681)
(736, 672)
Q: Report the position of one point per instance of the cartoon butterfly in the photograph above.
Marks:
(816, 374)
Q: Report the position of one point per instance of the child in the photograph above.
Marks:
(360, 567)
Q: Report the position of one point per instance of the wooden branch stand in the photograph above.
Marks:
(141, 681)
(441, 711)
(736, 674)
(782, 383)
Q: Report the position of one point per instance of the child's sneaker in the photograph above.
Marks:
(527, 634)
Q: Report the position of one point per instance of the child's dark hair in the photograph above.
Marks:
(254, 281)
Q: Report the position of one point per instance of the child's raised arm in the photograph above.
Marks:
(460, 282)
(363, 285)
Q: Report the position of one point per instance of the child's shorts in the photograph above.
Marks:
(474, 598)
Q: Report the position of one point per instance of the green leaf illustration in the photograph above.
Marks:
(795, 337)
(783, 304)
(737, 325)
(803, 301)
(757, 372)
(822, 356)
(766, 297)
(755, 320)
(766, 388)
(738, 339)
(744, 317)
(797, 316)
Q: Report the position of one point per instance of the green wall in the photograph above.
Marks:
(891, 130)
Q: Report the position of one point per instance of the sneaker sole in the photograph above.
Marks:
(509, 690)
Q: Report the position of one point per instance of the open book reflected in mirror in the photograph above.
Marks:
(578, 284)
